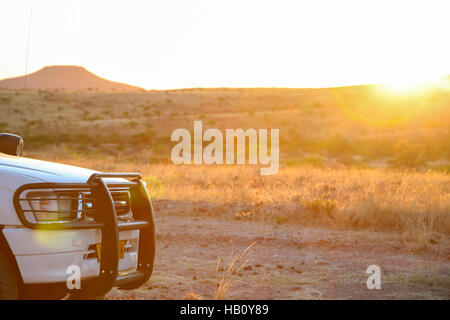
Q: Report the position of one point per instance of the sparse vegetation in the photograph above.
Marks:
(372, 166)
(227, 274)
(317, 126)
(415, 205)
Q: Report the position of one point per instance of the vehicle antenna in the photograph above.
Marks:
(28, 44)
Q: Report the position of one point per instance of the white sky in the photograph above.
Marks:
(175, 44)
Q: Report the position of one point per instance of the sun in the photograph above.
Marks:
(405, 85)
(409, 84)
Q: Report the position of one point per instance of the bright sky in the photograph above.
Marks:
(178, 43)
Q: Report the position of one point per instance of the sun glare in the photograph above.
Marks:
(410, 84)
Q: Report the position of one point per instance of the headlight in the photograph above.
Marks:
(52, 207)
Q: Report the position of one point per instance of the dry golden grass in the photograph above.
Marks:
(355, 126)
(227, 274)
(415, 205)
(327, 138)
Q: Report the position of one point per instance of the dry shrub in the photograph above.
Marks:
(409, 155)
(320, 207)
(226, 276)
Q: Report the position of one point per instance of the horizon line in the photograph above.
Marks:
(346, 85)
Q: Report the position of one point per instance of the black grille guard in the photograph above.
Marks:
(143, 214)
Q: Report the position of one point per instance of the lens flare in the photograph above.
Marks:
(54, 240)
(409, 84)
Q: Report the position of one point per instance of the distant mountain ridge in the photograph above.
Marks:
(70, 78)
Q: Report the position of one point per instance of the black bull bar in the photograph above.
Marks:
(143, 219)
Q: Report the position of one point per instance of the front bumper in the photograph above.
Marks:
(44, 256)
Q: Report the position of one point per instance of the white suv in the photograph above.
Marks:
(58, 222)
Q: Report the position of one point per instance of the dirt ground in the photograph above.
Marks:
(283, 262)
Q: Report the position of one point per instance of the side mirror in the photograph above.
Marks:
(11, 144)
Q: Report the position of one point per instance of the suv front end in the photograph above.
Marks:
(104, 227)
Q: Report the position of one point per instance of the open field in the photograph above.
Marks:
(414, 205)
(312, 231)
(363, 180)
(285, 262)
(361, 126)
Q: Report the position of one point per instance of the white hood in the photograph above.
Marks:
(17, 171)
(40, 171)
